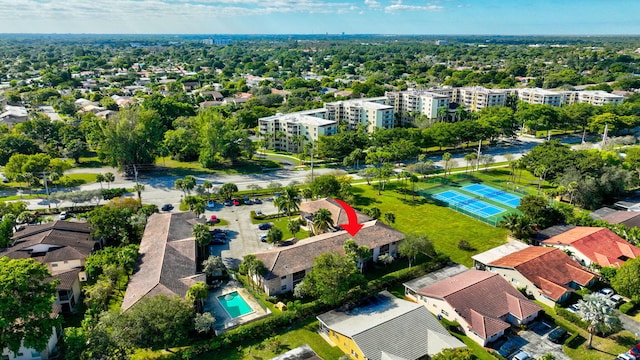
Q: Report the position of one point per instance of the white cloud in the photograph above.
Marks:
(372, 3)
(397, 6)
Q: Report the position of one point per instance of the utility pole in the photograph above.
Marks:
(46, 188)
(478, 157)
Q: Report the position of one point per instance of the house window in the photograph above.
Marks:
(54, 265)
(283, 277)
(384, 249)
(298, 276)
(444, 312)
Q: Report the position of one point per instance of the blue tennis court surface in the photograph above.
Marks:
(493, 194)
(468, 203)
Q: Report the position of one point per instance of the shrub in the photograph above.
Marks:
(627, 307)
(571, 317)
(465, 246)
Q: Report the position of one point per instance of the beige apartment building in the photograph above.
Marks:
(290, 132)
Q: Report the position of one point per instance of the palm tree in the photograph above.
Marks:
(322, 220)
(228, 189)
(189, 183)
(100, 179)
(290, 200)
(446, 158)
(203, 238)
(179, 184)
(293, 226)
(253, 268)
(207, 186)
(139, 188)
(414, 179)
(599, 311)
(197, 294)
(540, 171)
(470, 158)
(109, 178)
(572, 188)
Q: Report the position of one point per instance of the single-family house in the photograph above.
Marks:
(547, 273)
(483, 303)
(285, 267)
(63, 247)
(214, 94)
(13, 115)
(167, 263)
(338, 215)
(594, 245)
(189, 86)
(481, 260)
(626, 218)
(384, 327)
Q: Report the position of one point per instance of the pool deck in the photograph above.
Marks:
(223, 321)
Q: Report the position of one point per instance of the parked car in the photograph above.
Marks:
(214, 219)
(218, 231)
(286, 243)
(617, 299)
(236, 202)
(218, 241)
(264, 226)
(607, 292)
(166, 207)
(257, 201)
(635, 351)
(522, 355)
(248, 202)
(573, 308)
(508, 348)
(625, 356)
(64, 215)
(228, 203)
(211, 205)
(557, 335)
(259, 213)
(263, 238)
(4, 178)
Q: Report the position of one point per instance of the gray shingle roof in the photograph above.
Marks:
(167, 263)
(395, 327)
(281, 261)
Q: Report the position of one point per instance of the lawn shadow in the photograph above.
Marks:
(624, 340)
(576, 342)
(415, 202)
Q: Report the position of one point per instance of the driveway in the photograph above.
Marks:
(538, 344)
(630, 324)
(243, 236)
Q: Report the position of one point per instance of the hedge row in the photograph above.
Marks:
(568, 315)
(627, 307)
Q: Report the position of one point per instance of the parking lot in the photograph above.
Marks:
(535, 342)
(243, 236)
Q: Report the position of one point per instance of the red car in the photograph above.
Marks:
(635, 351)
(214, 219)
(236, 202)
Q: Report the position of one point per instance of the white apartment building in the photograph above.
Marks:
(371, 112)
(541, 96)
(289, 132)
(425, 102)
(477, 98)
(598, 97)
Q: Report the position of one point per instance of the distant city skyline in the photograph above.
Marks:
(415, 17)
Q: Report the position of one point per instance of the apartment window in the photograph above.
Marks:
(283, 287)
(298, 276)
(283, 277)
(444, 312)
(54, 265)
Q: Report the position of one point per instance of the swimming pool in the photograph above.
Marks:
(234, 304)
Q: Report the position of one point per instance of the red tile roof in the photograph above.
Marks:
(600, 245)
(483, 299)
(548, 268)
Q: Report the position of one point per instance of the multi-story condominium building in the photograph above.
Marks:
(541, 96)
(597, 97)
(477, 98)
(371, 112)
(425, 102)
(289, 132)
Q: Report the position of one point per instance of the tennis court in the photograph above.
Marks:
(468, 203)
(493, 194)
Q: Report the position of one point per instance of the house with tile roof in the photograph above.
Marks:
(285, 267)
(338, 215)
(481, 260)
(385, 327)
(594, 245)
(63, 247)
(167, 263)
(483, 303)
(546, 273)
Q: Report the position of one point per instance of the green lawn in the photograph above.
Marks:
(299, 334)
(441, 224)
(281, 224)
(172, 167)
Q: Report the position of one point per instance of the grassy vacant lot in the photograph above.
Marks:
(442, 225)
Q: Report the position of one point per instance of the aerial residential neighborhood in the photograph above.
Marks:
(321, 196)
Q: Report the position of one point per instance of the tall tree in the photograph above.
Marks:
(26, 300)
(627, 282)
(197, 294)
(333, 279)
(322, 220)
(599, 311)
(228, 189)
(413, 245)
(203, 238)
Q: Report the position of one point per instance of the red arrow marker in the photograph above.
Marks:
(353, 226)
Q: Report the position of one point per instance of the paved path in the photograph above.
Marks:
(630, 324)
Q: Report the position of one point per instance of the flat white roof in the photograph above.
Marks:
(499, 252)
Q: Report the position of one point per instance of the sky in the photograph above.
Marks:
(416, 17)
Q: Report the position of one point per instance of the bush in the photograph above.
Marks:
(568, 315)
(465, 246)
(627, 307)
(108, 194)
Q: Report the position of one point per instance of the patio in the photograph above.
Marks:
(224, 321)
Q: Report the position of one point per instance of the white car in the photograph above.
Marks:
(64, 215)
(607, 292)
(522, 355)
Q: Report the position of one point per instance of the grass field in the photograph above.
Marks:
(441, 224)
(281, 224)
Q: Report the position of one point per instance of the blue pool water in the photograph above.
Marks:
(234, 304)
